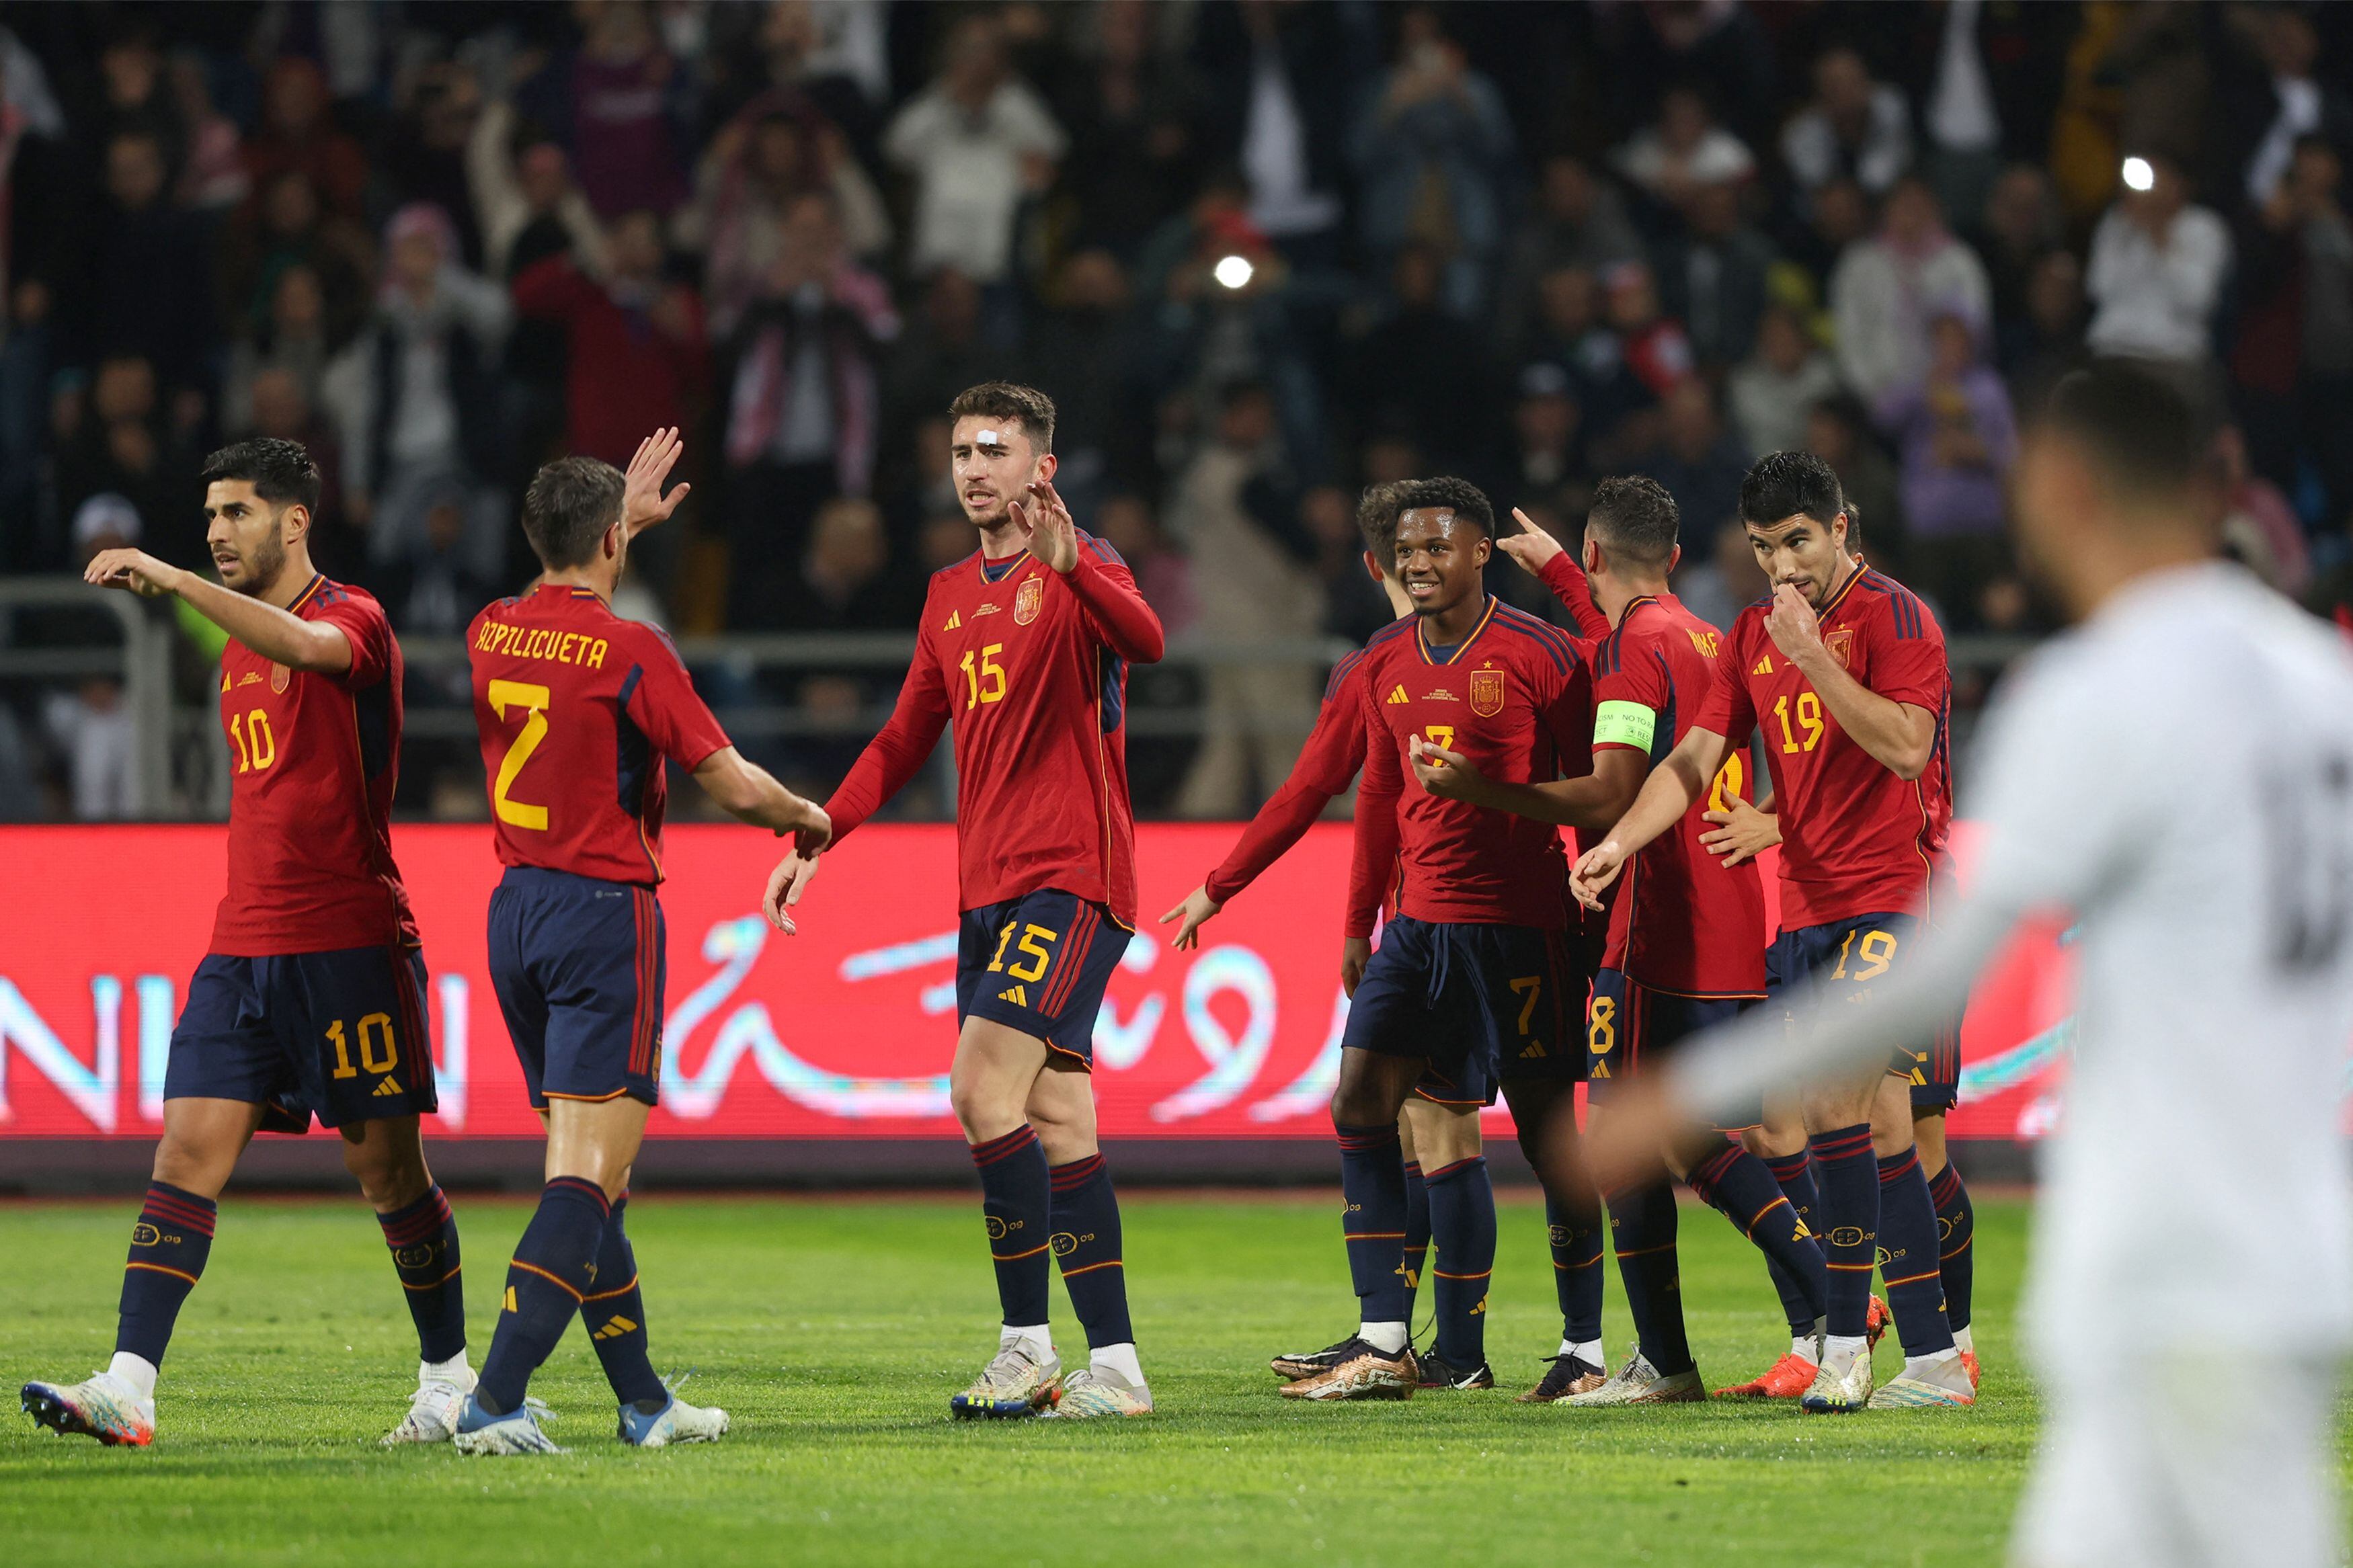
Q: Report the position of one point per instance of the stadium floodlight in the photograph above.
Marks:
(1233, 272)
(2139, 175)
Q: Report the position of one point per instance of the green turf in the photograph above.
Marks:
(835, 1331)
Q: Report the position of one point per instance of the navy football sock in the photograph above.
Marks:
(1372, 1186)
(554, 1265)
(1796, 1175)
(1576, 1236)
(1850, 1185)
(423, 1237)
(1417, 1232)
(1462, 1221)
(1642, 1224)
(613, 1314)
(1907, 1253)
(1736, 1183)
(1085, 1230)
(168, 1248)
(1956, 1226)
(1017, 1201)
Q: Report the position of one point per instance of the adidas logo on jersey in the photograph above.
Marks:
(956, 619)
(1019, 996)
(386, 1086)
(1764, 666)
(1397, 694)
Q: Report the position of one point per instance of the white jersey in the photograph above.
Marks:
(2178, 775)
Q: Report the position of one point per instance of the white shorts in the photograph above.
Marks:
(2178, 1460)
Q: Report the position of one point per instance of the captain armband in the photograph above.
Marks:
(1619, 723)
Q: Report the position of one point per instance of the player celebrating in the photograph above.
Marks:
(570, 698)
(1686, 934)
(1024, 648)
(1846, 669)
(311, 1000)
(1473, 980)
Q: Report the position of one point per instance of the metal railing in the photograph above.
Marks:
(141, 661)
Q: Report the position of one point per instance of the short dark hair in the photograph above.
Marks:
(1010, 400)
(1460, 497)
(280, 472)
(1634, 516)
(1783, 484)
(2139, 429)
(1377, 515)
(571, 502)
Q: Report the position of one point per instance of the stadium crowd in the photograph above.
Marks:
(1260, 253)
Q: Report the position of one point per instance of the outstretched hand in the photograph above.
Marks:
(1195, 911)
(136, 570)
(787, 883)
(642, 501)
(1533, 549)
(1046, 526)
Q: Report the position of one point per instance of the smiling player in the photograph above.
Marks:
(311, 1000)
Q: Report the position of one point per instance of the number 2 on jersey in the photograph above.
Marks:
(534, 701)
(986, 681)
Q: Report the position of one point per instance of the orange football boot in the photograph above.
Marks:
(1785, 1379)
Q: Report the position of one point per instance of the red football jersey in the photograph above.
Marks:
(1682, 923)
(1515, 697)
(309, 805)
(1855, 840)
(1029, 665)
(1327, 764)
(577, 708)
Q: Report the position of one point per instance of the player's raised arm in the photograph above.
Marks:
(750, 792)
(314, 647)
(1900, 736)
(1678, 781)
(1549, 562)
(1128, 625)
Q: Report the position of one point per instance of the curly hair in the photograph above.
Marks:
(1460, 497)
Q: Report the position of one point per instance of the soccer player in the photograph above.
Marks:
(1024, 648)
(579, 710)
(310, 999)
(1846, 671)
(1475, 980)
(1686, 935)
(2176, 773)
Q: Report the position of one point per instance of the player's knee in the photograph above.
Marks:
(192, 1165)
(983, 1109)
(390, 1170)
(1890, 1123)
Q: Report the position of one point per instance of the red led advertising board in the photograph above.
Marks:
(844, 1031)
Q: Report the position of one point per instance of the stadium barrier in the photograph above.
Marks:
(816, 1058)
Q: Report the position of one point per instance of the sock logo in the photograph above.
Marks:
(1481, 1309)
(614, 1327)
(1805, 1231)
(145, 1234)
(1848, 1236)
(1064, 1243)
(386, 1086)
(1559, 1237)
(1944, 1225)
(1888, 1255)
(509, 1304)
(1412, 1277)
(413, 1256)
(997, 1227)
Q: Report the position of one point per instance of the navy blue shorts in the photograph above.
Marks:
(578, 966)
(1632, 1028)
(1483, 1005)
(1845, 957)
(340, 1036)
(1039, 963)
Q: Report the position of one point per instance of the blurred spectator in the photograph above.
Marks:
(1958, 442)
(1568, 332)
(1837, 220)
(416, 396)
(1164, 576)
(1855, 128)
(2021, 223)
(143, 285)
(1547, 434)
(120, 446)
(1715, 277)
(976, 142)
(1838, 431)
(1422, 368)
(2258, 526)
(846, 580)
(1770, 391)
(286, 228)
(1085, 348)
(424, 159)
(1430, 148)
(1700, 464)
(2155, 276)
(636, 350)
(1961, 118)
(298, 136)
(1578, 221)
(1888, 289)
(1717, 46)
(27, 542)
(435, 590)
(1719, 576)
(135, 97)
(1355, 606)
(90, 724)
(526, 204)
(756, 169)
(1683, 151)
(2294, 358)
(293, 339)
(1284, 110)
(1656, 355)
(621, 83)
(1132, 112)
(1256, 716)
(2300, 101)
(214, 174)
(2049, 343)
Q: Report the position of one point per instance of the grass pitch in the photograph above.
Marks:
(833, 1330)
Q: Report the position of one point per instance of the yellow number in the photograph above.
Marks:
(1442, 736)
(374, 1028)
(1602, 1032)
(344, 1068)
(1530, 987)
(1878, 952)
(985, 683)
(1003, 937)
(1028, 944)
(534, 701)
(1728, 781)
(1810, 715)
(257, 743)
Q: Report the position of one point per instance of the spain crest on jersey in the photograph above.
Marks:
(1028, 600)
(1486, 692)
(279, 676)
(1842, 644)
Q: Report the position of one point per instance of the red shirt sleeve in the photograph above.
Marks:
(1907, 668)
(1634, 676)
(891, 759)
(1570, 584)
(664, 704)
(1115, 609)
(1335, 751)
(1373, 863)
(1727, 709)
(369, 631)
